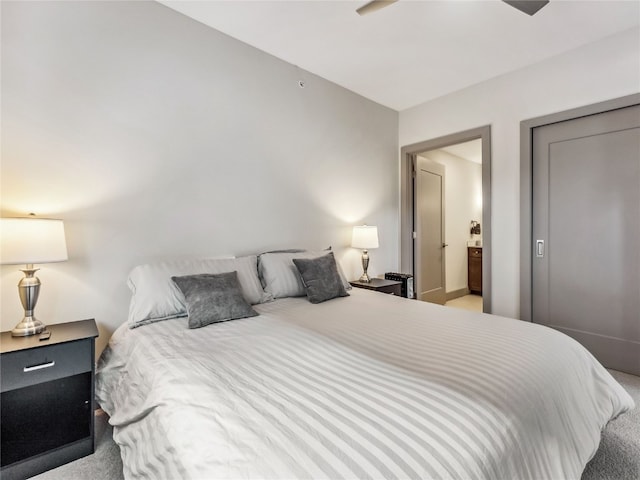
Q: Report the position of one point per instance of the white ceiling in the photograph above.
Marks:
(412, 51)
(471, 150)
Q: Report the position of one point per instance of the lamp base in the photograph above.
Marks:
(28, 326)
(29, 290)
(365, 265)
(364, 278)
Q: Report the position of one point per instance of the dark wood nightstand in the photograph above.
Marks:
(46, 398)
(380, 285)
(474, 269)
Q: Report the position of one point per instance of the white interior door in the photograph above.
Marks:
(429, 227)
(586, 232)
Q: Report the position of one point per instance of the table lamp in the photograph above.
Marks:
(28, 241)
(365, 237)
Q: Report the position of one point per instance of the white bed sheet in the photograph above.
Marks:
(366, 386)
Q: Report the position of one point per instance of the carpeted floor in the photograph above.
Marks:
(618, 457)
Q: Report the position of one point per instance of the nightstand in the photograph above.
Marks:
(46, 398)
(380, 285)
(474, 269)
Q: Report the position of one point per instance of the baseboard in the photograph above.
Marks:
(457, 294)
(616, 353)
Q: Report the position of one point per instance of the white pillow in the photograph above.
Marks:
(155, 296)
(280, 277)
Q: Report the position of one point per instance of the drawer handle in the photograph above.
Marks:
(38, 367)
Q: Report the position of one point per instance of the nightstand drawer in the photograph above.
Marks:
(36, 365)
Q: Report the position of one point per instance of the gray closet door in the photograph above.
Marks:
(586, 233)
(429, 228)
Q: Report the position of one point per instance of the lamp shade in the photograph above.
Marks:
(32, 240)
(365, 236)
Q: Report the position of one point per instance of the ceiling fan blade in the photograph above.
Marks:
(373, 6)
(530, 7)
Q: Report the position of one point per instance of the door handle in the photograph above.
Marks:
(445, 245)
(539, 248)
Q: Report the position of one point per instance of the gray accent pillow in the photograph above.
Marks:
(213, 298)
(279, 275)
(321, 278)
(155, 297)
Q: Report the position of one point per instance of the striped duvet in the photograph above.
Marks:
(366, 386)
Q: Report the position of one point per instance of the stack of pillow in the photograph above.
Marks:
(214, 290)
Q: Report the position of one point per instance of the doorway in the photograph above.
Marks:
(442, 261)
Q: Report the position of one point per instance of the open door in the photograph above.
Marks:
(429, 227)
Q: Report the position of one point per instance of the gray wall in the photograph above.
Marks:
(599, 71)
(154, 136)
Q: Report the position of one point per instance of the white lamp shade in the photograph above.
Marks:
(365, 236)
(32, 240)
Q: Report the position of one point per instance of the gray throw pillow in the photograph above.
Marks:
(321, 278)
(212, 298)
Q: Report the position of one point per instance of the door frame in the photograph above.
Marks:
(526, 184)
(407, 258)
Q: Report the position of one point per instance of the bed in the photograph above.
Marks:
(363, 385)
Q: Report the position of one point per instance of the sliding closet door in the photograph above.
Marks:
(586, 233)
